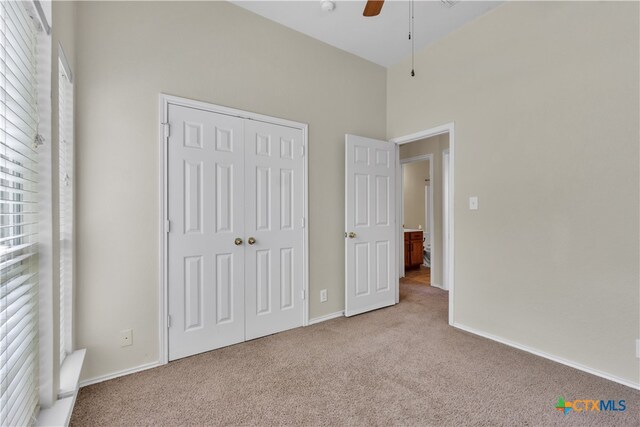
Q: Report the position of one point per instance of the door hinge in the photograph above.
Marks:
(167, 130)
(168, 321)
(303, 294)
(167, 225)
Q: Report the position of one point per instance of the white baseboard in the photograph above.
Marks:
(552, 357)
(326, 317)
(155, 364)
(437, 285)
(122, 373)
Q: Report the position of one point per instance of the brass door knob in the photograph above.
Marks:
(351, 234)
(251, 240)
(238, 241)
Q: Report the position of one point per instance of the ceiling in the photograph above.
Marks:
(382, 39)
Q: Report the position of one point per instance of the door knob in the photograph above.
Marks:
(251, 240)
(352, 234)
(238, 241)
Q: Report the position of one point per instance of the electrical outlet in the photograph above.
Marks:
(638, 348)
(323, 295)
(473, 203)
(126, 337)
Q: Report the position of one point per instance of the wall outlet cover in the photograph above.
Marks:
(473, 203)
(126, 337)
(323, 295)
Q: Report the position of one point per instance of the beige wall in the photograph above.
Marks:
(413, 183)
(544, 97)
(435, 146)
(129, 52)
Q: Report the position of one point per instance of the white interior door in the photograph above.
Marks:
(370, 225)
(274, 228)
(205, 204)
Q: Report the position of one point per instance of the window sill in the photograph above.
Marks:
(60, 413)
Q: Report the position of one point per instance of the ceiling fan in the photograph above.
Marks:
(373, 8)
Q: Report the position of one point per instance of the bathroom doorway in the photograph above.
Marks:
(431, 144)
(417, 218)
(423, 180)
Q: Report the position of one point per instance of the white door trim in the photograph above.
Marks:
(423, 157)
(438, 130)
(428, 198)
(446, 218)
(165, 101)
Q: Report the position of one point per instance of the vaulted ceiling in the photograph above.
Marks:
(382, 39)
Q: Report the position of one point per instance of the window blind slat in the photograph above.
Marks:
(15, 74)
(16, 192)
(17, 329)
(13, 261)
(17, 17)
(15, 169)
(13, 374)
(20, 224)
(14, 284)
(16, 46)
(16, 94)
(18, 215)
(14, 114)
(19, 402)
(25, 180)
(18, 141)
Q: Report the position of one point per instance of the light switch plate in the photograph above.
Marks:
(473, 203)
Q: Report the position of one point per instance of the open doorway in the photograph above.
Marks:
(417, 218)
(426, 215)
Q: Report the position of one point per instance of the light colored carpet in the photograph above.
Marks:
(401, 365)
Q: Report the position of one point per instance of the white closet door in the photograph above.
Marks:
(274, 214)
(370, 225)
(206, 267)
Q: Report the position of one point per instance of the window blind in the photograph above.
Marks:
(18, 216)
(65, 130)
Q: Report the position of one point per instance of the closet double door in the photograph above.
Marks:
(235, 245)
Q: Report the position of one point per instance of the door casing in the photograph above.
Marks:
(165, 101)
(427, 133)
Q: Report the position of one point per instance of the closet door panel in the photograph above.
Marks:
(205, 204)
(273, 217)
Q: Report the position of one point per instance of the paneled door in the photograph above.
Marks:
(235, 247)
(206, 256)
(274, 228)
(370, 237)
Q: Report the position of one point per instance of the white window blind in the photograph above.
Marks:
(18, 216)
(65, 130)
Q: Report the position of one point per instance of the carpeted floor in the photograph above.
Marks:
(401, 365)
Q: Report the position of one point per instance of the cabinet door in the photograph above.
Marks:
(407, 254)
(416, 253)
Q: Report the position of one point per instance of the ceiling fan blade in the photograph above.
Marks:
(373, 8)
